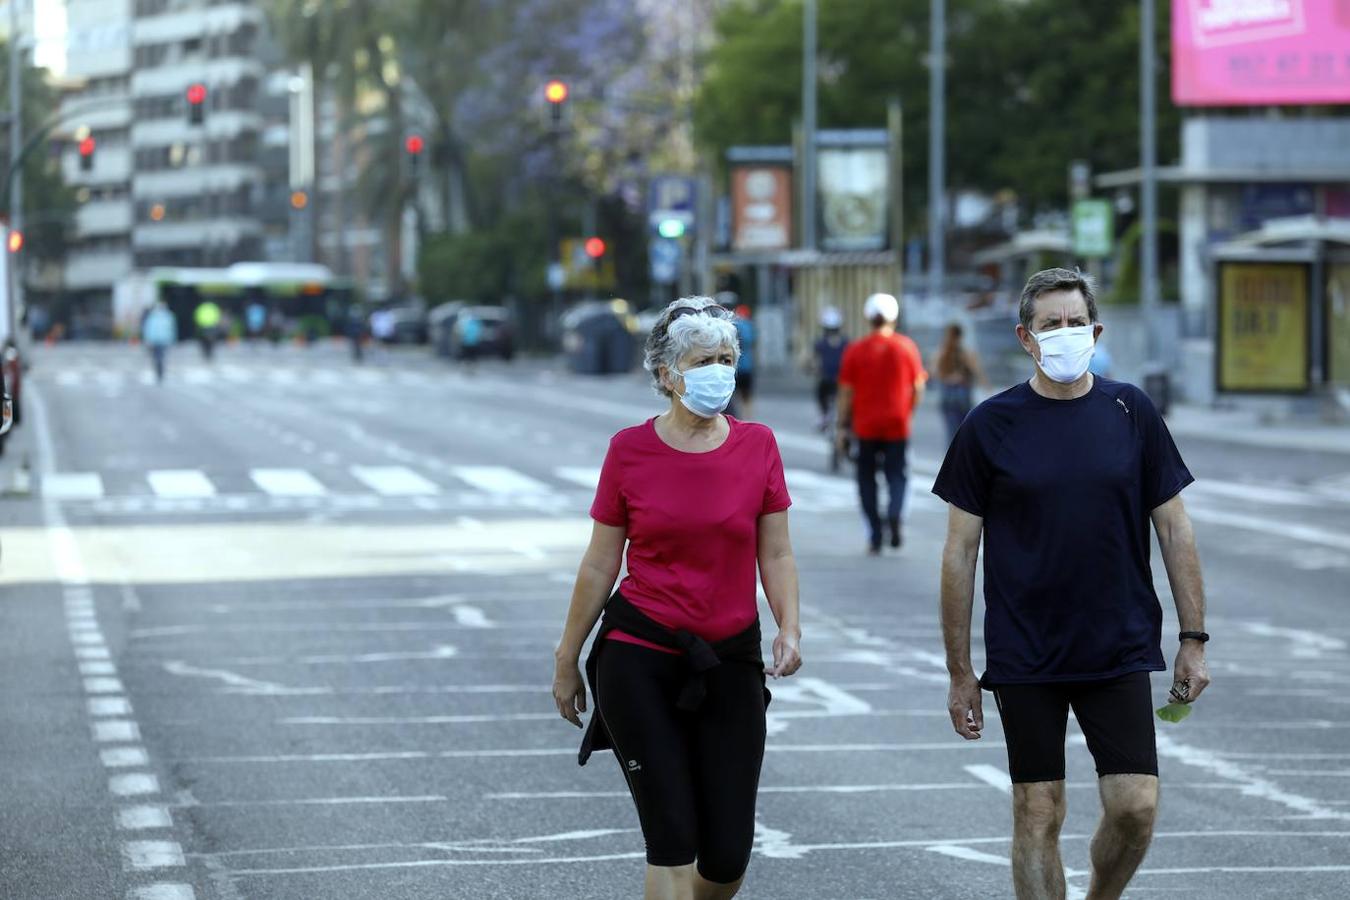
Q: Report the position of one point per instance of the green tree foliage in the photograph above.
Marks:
(1031, 86)
(48, 204)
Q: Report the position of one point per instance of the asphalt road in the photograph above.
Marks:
(282, 628)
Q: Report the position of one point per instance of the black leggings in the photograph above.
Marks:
(693, 776)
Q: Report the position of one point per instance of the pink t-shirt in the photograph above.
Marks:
(693, 525)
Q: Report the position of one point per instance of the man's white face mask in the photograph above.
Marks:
(1066, 352)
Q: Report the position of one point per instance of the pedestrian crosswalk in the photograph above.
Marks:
(560, 488)
(228, 374)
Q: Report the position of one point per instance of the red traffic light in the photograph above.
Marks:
(87, 147)
(15, 241)
(415, 144)
(555, 91)
(595, 247)
(196, 94)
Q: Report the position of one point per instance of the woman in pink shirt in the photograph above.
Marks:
(676, 670)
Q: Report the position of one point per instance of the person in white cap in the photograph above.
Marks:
(881, 381)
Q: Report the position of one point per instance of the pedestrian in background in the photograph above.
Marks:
(1060, 477)
(827, 357)
(255, 320)
(159, 332)
(958, 371)
(207, 320)
(470, 330)
(881, 382)
(676, 671)
(745, 364)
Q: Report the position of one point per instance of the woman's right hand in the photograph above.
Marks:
(569, 692)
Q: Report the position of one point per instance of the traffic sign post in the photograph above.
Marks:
(1093, 228)
(664, 256)
(672, 205)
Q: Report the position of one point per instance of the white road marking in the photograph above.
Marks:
(323, 801)
(1256, 493)
(586, 476)
(287, 482)
(72, 486)
(1273, 527)
(102, 686)
(178, 667)
(92, 652)
(394, 481)
(110, 731)
(970, 854)
(937, 747)
(440, 651)
(1306, 644)
(141, 818)
(499, 480)
(466, 719)
(180, 483)
(109, 706)
(139, 856)
(135, 784)
(471, 617)
(97, 667)
(992, 776)
(1252, 785)
(162, 891)
(124, 757)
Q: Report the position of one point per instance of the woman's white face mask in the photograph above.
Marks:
(707, 389)
(1066, 352)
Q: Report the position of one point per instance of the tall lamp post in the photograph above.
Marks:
(15, 148)
(1148, 181)
(937, 98)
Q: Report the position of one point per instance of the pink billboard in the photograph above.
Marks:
(1258, 52)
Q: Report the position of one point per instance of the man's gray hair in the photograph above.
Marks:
(1048, 280)
(676, 334)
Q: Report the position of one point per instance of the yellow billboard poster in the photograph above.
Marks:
(1263, 327)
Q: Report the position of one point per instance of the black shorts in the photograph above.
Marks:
(1116, 716)
(694, 776)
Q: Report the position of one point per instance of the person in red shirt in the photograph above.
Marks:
(881, 381)
(675, 671)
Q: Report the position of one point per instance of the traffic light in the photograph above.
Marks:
(555, 92)
(414, 144)
(87, 154)
(670, 228)
(15, 241)
(595, 247)
(299, 199)
(196, 98)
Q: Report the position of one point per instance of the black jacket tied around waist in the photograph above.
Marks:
(699, 655)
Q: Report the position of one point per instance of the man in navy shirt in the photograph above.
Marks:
(1061, 476)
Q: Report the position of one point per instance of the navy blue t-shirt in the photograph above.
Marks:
(1065, 488)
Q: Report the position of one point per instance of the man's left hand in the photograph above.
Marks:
(1190, 675)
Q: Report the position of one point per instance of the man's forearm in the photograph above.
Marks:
(1184, 575)
(958, 600)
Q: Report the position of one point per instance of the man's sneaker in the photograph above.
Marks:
(896, 539)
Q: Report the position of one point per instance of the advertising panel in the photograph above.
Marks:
(1260, 52)
(761, 207)
(1263, 327)
(1093, 228)
(853, 190)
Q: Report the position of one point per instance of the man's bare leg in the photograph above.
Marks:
(1129, 807)
(1038, 814)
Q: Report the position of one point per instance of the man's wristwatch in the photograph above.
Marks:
(1201, 636)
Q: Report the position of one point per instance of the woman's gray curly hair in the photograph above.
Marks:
(673, 337)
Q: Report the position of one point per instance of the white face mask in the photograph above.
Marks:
(1066, 352)
(707, 389)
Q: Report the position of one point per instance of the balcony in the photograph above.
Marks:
(171, 79)
(225, 232)
(219, 125)
(195, 180)
(181, 26)
(96, 270)
(103, 217)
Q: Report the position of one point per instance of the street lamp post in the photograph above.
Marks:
(1148, 182)
(937, 98)
(808, 235)
(15, 149)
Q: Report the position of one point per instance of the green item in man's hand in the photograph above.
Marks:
(1174, 712)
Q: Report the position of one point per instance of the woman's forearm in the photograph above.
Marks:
(779, 575)
(588, 600)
